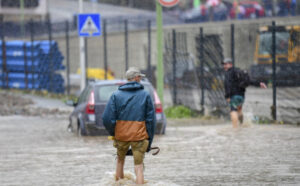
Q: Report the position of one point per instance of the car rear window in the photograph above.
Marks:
(105, 91)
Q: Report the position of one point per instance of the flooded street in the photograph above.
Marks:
(40, 151)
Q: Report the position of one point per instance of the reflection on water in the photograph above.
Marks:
(129, 180)
(109, 179)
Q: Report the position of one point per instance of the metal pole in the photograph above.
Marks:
(82, 55)
(2, 43)
(50, 55)
(232, 45)
(160, 63)
(31, 51)
(105, 48)
(22, 17)
(4, 62)
(174, 67)
(126, 44)
(149, 74)
(4, 70)
(274, 111)
(68, 57)
(202, 69)
(86, 58)
(25, 65)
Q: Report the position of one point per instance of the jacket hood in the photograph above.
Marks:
(131, 86)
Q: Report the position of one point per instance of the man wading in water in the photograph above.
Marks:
(129, 116)
(235, 84)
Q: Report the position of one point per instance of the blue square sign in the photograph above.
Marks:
(89, 25)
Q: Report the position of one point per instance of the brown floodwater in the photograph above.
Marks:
(40, 151)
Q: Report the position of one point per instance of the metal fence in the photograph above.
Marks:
(122, 44)
(243, 43)
(46, 56)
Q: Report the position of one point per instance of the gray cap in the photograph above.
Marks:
(132, 72)
(227, 60)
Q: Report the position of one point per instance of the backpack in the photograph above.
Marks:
(242, 77)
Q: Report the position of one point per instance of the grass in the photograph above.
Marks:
(179, 111)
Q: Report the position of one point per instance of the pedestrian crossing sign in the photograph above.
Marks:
(89, 25)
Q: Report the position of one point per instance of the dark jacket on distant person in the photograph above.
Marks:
(129, 114)
(231, 84)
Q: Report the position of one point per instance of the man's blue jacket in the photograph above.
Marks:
(129, 114)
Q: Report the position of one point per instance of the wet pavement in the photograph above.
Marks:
(40, 151)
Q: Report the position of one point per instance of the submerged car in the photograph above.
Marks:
(86, 118)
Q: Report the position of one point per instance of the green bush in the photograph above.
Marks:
(178, 112)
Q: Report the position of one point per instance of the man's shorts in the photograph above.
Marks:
(138, 149)
(236, 101)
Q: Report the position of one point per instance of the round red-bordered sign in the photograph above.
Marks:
(168, 3)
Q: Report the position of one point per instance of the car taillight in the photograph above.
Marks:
(157, 103)
(90, 107)
(158, 108)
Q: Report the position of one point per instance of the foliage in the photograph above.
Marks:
(179, 111)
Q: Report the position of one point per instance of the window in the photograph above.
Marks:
(84, 95)
(104, 92)
(265, 43)
(295, 38)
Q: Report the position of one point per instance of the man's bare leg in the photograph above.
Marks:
(240, 113)
(139, 171)
(234, 118)
(120, 169)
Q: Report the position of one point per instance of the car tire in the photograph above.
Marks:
(81, 130)
(164, 131)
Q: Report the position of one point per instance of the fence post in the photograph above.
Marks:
(202, 70)
(274, 109)
(4, 59)
(149, 72)
(174, 67)
(232, 45)
(105, 48)
(68, 57)
(86, 59)
(50, 54)
(31, 51)
(126, 44)
(25, 65)
(4, 63)
(2, 42)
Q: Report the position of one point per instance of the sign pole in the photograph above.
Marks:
(82, 56)
(159, 40)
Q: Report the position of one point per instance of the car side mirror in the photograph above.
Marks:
(71, 103)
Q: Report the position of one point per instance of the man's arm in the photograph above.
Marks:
(262, 85)
(109, 116)
(150, 120)
(257, 82)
